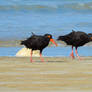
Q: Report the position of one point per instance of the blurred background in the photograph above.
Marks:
(18, 18)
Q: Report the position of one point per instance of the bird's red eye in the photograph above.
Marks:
(49, 36)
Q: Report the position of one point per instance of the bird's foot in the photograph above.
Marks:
(80, 58)
(47, 60)
(42, 60)
(32, 61)
(72, 55)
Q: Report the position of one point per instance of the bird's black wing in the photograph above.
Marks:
(29, 41)
(80, 39)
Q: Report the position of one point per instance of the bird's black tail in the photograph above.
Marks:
(22, 42)
(73, 30)
(32, 33)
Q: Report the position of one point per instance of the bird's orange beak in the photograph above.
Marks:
(52, 40)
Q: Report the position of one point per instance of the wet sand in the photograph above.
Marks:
(61, 74)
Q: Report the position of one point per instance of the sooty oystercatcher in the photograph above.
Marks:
(38, 42)
(76, 39)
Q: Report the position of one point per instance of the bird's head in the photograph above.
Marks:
(90, 36)
(49, 36)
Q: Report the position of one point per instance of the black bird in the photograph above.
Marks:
(38, 42)
(76, 39)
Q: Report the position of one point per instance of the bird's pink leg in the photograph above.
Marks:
(72, 55)
(31, 56)
(41, 57)
(77, 54)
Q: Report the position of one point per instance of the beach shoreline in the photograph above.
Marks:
(59, 74)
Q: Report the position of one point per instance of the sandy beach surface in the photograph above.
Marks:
(59, 74)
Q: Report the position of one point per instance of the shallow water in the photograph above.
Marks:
(38, 16)
(18, 18)
(49, 51)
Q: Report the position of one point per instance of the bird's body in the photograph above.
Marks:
(37, 42)
(75, 39)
